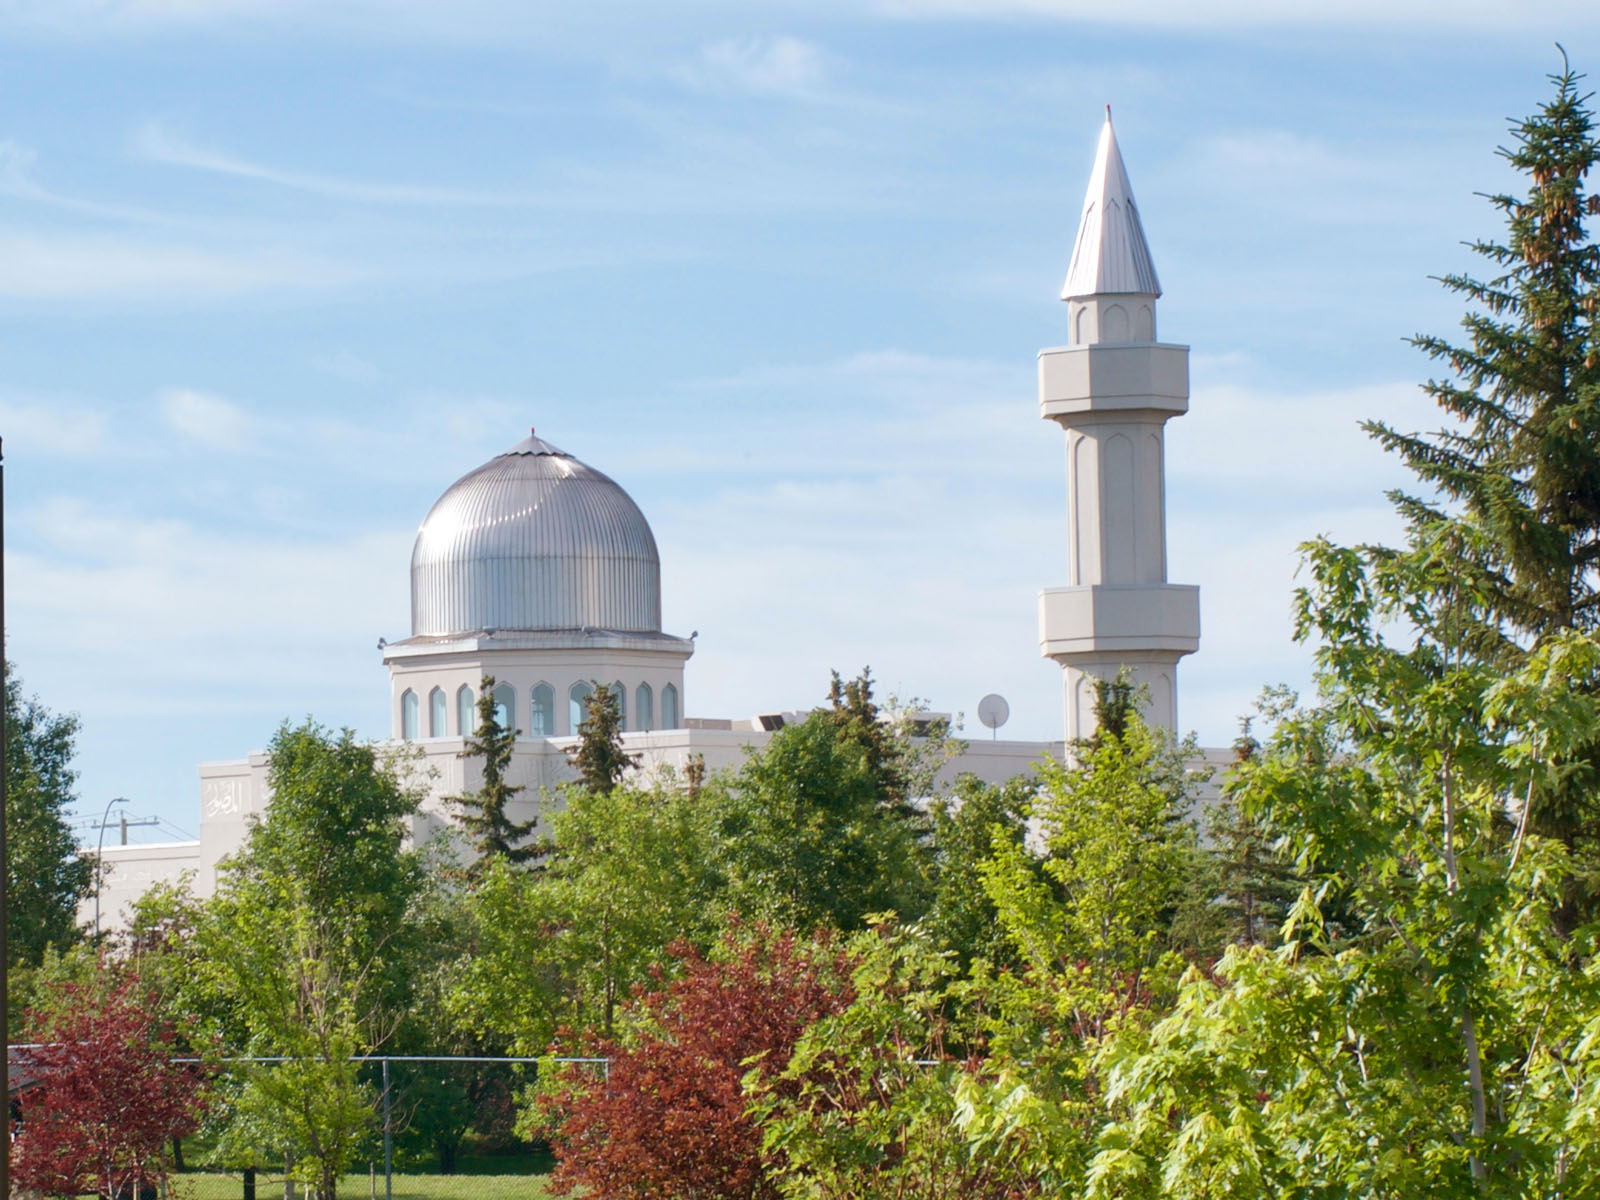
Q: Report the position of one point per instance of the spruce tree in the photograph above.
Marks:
(483, 813)
(1508, 538)
(1513, 524)
(858, 721)
(599, 756)
(1508, 543)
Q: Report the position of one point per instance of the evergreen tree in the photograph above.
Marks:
(1516, 521)
(46, 877)
(1256, 883)
(483, 813)
(1509, 540)
(858, 721)
(599, 756)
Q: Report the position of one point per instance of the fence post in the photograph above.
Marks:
(388, 1139)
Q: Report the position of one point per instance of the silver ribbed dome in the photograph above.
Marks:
(534, 540)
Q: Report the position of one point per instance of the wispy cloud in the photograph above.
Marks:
(156, 144)
(348, 366)
(206, 418)
(19, 179)
(1236, 14)
(773, 66)
(76, 266)
(54, 427)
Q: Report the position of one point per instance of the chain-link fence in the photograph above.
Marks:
(410, 1127)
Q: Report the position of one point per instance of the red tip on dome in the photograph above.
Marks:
(1108, 112)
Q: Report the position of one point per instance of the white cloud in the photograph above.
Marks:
(775, 66)
(169, 615)
(206, 418)
(156, 144)
(348, 366)
(16, 169)
(1235, 14)
(57, 427)
(74, 266)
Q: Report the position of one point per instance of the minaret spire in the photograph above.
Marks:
(1111, 254)
(1112, 389)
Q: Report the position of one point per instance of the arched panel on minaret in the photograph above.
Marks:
(1083, 503)
(1164, 702)
(1152, 547)
(1114, 324)
(1120, 510)
(1144, 325)
(1082, 325)
(1083, 704)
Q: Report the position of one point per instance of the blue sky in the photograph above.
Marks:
(273, 274)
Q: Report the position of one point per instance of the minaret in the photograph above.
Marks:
(1112, 388)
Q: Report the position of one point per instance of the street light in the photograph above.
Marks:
(99, 863)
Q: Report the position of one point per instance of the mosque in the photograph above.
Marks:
(540, 571)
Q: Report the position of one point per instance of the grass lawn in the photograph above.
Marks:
(207, 1185)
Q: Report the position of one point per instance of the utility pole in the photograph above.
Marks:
(5, 998)
(99, 863)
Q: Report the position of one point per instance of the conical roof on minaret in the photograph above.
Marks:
(1111, 255)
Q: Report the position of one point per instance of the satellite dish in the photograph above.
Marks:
(993, 711)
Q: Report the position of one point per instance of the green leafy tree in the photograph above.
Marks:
(311, 941)
(628, 873)
(969, 825)
(816, 828)
(867, 1106)
(1098, 904)
(46, 877)
(489, 830)
(599, 756)
(1442, 1041)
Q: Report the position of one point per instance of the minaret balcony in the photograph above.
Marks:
(1082, 380)
(1107, 618)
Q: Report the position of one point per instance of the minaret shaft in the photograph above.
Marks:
(1112, 389)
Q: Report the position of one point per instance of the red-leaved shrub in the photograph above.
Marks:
(670, 1118)
(100, 1095)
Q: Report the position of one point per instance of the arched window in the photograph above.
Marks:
(437, 708)
(408, 715)
(466, 719)
(505, 706)
(542, 711)
(621, 693)
(644, 707)
(580, 692)
(669, 707)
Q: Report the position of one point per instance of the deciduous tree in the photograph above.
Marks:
(628, 873)
(311, 940)
(46, 876)
(668, 1117)
(817, 828)
(101, 1097)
